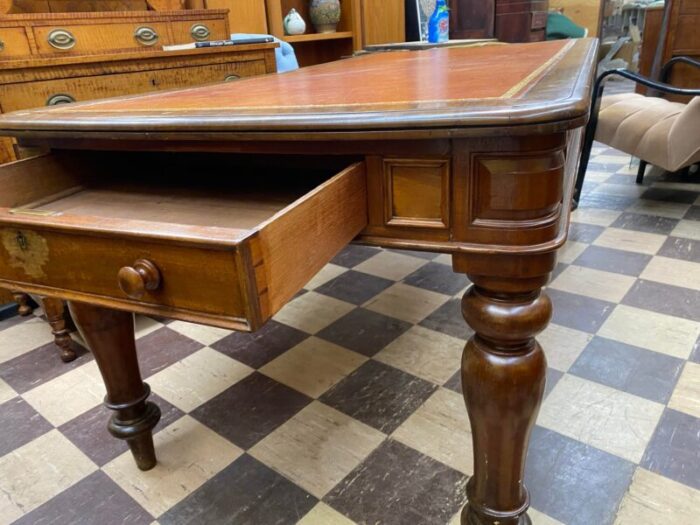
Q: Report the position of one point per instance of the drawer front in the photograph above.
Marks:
(687, 37)
(198, 31)
(97, 38)
(191, 279)
(22, 96)
(14, 42)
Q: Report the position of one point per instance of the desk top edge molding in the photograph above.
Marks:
(555, 95)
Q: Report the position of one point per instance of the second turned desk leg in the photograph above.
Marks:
(110, 336)
(503, 378)
(55, 314)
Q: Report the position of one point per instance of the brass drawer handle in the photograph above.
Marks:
(146, 36)
(231, 78)
(199, 32)
(59, 98)
(61, 39)
(136, 280)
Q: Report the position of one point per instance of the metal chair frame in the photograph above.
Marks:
(660, 86)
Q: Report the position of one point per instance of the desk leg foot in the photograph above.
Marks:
(22, 300)
(110, 336)
(55, 314)
(503, 377)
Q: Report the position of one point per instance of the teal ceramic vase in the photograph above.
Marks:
(324, 15)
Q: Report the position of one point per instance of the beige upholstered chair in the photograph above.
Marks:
(665, 134)
(657, 131)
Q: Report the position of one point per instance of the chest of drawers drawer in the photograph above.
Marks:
(78, 34)
(198, 31)
(13, 42)
(219, 239)
(95, 38)
(50, 92)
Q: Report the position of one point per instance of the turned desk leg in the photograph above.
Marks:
(56, 315)
(110, 336)
(22, 299)
(503, 378)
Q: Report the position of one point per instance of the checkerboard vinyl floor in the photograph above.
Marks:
(346, 408)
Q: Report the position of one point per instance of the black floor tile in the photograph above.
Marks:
(40, 365)
(681, 248)
(553, 377)
(575, 483)
(354, 254)
(258, 348)
(163, 347)
(438, 278)
(354, 287)
(645, 223)
(665, 299)
(364, 331)
(95, 499)
(579, 312)
(397, 485)
(20, 424)
(448, 319)
(454, 383)
(606, 201)
(251, 409)
(581, 232)
(89, 433)
(647, 374)
(669, 195)
(693, 213)
(379, 395)
(674, 449)
(245, 492)
(611, 260)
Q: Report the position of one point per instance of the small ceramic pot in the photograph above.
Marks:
(325, 15)
(294, 24)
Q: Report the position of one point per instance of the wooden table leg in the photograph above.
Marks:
(22, 299)
(56, 315)
(110, 336)
(503, 378)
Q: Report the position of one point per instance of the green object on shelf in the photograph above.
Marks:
(560, 26)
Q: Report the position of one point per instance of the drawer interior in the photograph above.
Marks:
(232, 237)
(235, 192)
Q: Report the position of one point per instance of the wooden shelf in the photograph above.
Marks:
(314, 37)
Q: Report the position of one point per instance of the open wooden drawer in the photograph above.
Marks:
(219, 239)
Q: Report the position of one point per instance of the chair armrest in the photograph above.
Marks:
(666, 70)
(644, 81)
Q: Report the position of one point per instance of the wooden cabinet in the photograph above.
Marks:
(472, 19)
(383, 21)
(506, 20)
(520, 20)
(62, 34)
(682, 39)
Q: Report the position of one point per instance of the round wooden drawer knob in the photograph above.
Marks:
(135, 280)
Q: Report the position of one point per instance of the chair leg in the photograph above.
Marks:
(582, 166)
(641, 170)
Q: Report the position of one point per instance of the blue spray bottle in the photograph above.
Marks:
(439, 23)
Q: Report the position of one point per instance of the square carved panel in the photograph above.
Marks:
(417, 192)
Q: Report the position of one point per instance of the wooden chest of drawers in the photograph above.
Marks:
(61, 34)
(50, 81)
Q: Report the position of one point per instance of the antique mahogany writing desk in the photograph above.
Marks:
(217, 204)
